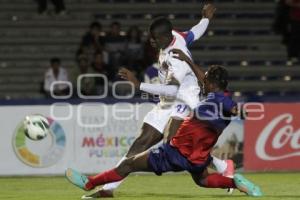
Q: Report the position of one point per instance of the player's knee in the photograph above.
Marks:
(127, 165)
(137, 147)
(142, 143)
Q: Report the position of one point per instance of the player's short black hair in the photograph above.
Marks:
(161, 24)
(218, 75)
(54, 61)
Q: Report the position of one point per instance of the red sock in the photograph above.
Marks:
(103, 178)
(218, 181)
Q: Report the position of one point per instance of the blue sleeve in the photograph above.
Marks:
(188, 36)
(228, 104)
(189, 39)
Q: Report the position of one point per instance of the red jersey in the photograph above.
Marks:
(196, 137)
(195, 140)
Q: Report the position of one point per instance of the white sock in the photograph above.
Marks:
(114, 185)
(219, 164)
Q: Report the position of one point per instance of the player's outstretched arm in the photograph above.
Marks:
(177, 53)
(199, 29)
(157, 89)
(207, 14)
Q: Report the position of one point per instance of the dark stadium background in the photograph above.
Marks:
(241, 37)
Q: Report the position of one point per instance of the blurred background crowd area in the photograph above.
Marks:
(59, 40)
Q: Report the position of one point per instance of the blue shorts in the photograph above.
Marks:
(166, 158)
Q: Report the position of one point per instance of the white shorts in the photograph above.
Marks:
(159, 117)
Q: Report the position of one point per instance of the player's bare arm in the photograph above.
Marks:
(199, 72)
(197, 31)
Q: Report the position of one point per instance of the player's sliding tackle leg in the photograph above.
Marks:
(140, 163)
(127, 166)
(215, 180)
(149, 137)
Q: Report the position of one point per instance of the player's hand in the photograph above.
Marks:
(177, 53)
(208, 11)
(129, 76)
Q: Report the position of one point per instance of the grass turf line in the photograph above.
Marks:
(149, 187)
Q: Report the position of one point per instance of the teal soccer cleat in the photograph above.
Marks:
(244, 185)
(77, 178)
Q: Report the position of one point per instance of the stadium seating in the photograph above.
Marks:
(240, 38)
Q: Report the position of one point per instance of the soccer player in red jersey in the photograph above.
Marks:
(190, 147)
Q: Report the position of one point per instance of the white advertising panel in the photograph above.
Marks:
(89, 137)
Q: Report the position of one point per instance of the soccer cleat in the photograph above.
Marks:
(244, 185)
(99, 194)
(77, 178)
(229, 172)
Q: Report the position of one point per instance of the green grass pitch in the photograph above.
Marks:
(275, 186)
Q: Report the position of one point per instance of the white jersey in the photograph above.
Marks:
(173, 71)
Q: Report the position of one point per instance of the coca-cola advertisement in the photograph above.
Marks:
(273, 143)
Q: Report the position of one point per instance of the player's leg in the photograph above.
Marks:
(155, 161)
(216, 180)
(151, 133)
(159, 160)
(149, 137)
(129, 165)
(172, 128)
(224, 167)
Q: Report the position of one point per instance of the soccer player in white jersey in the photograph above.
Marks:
(172, 71)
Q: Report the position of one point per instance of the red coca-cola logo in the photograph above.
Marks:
(279, 139)
(273, 143)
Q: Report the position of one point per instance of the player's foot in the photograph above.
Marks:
(99, 194)
(229, 172)
(246, 186)
(77, 178)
